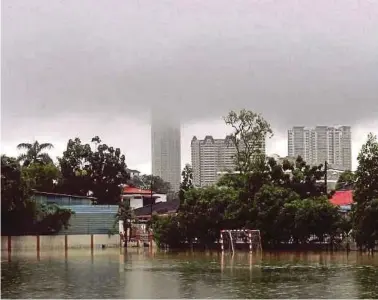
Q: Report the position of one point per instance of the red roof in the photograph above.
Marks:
(342, 198)
(129, 190)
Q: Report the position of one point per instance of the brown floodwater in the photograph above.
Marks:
(112, 273)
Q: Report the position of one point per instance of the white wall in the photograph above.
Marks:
(136, 203)
(48, 242)
(162, 197)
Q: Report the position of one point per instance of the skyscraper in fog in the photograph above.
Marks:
(322, 143)
(166, 148)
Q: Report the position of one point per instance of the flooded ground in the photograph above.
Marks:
(111, 273)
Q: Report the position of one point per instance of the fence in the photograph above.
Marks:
(49, 242)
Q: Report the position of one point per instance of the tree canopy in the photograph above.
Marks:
(34, 153)
(100, 172)
(365, 209)
(145, 182)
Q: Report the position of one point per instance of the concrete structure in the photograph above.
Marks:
(50, 242)
(211, 156)
(166, 149)
(322, 143)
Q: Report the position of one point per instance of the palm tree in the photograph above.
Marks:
(34, 153)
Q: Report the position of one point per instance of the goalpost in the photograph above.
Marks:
(233, 237)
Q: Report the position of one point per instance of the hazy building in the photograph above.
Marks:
(210, 157)
(322, 143)
(166, 149)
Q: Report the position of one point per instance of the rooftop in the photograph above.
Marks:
(130, 190)
(341, 198)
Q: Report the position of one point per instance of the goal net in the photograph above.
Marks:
(237, 239)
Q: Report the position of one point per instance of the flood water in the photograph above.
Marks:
(111, 273)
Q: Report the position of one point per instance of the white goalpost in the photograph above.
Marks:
(230, 238)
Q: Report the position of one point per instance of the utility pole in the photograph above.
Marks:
(152, 180)
(325, 177)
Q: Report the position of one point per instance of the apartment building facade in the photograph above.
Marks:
(322, 143)
(211, 156)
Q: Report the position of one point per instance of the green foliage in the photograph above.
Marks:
(346, 180)
(101, 171)
(167, 232)
(41, 177)
(249, 133)
(365, 210)
(14, 190)
(145, 182)
(107, 173)
(187, 181)
(312, 216)
(34, 153)
(51, 219)
(125, 214)
(204, 212)
(269, 214)
(75, 169)
(20, 215)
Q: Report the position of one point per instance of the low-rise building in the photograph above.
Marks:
(139, 197)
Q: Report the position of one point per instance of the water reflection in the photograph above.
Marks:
(139, 273)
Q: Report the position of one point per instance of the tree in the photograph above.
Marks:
(108, 171)
(304, 178)
(100, 172)
(365, 209)
(14, 190)
(144, 182)
(166, 231)
(249, 133)
(205, 211)
(346, 180)
(268, 205)
(312, 216)
(19, 214)
(75, 169)
(41, 177)
(126, 215)
(187, 181)
(34, 153)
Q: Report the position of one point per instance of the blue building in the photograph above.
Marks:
(88, 218)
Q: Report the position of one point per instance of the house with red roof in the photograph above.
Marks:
(343, 199)
(139, 197)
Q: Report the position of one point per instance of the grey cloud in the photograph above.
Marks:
(296, 62)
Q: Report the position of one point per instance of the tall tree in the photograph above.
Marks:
(187, 181)
(249, 133)
(34, 153)
(108, 171)
(365, 210)
(75, 168)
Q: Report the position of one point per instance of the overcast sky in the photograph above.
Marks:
(85, 68)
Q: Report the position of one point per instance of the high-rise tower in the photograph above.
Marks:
(166, 148)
